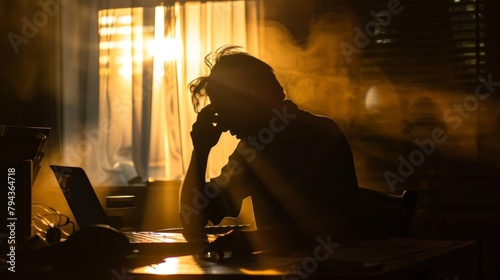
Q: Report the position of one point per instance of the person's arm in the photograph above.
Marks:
(242, 243)
(204, 135)
(192, 216)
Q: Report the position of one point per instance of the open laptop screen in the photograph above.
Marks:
(80, 195)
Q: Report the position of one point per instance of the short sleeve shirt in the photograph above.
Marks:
(300, 167)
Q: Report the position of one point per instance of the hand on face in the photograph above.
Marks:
(236, 113)
(206, 132)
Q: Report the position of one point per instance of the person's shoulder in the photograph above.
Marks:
(310, 119)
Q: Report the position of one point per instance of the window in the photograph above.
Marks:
(133, 124)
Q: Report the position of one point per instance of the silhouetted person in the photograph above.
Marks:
(297, 167)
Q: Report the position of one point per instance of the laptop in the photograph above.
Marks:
(88, 211)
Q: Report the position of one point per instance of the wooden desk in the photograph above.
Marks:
(385, 259)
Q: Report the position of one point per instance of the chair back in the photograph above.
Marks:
(382, 216)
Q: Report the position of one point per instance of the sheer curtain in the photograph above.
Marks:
(127, 112)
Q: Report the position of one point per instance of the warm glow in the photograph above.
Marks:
(119, 35)
(126, 69)
(122, 33)
(163, 49)
(167, 267)
(106, 20)
(180, 265)
(261, 272)
(124, 30)
(125, 20)
(147, 56)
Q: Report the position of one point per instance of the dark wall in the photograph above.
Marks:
(28, 64)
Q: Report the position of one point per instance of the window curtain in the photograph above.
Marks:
(126, 109)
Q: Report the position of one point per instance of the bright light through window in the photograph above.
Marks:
(122, 30)
(147, 56)
(118, 34)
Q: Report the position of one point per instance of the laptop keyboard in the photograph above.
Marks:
(175, 235)
(154, 237)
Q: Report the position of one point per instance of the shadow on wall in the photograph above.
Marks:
(28, 58)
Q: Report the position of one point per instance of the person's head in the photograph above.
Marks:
(241, 87)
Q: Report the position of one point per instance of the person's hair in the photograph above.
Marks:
(255, 70)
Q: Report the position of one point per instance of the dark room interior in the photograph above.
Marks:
(413, 84)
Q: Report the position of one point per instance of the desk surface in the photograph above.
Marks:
(384, 259)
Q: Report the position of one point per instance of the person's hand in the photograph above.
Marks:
(195, 237)
(234, 241)
(205, 132)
